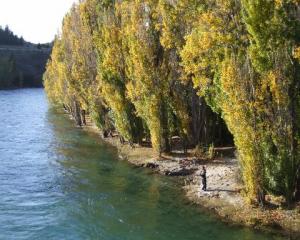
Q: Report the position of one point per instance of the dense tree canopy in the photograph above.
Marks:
(154, 69)
(7, 37)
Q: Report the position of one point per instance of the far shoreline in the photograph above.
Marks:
(21, 88)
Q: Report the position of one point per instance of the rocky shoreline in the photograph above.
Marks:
(224, 193)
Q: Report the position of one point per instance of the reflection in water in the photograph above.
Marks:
(58, 182)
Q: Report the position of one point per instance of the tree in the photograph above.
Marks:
(240, 64)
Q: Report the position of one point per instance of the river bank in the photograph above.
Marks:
(224, 194)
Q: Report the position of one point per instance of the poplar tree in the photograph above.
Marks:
(240, 57)
(160, 68)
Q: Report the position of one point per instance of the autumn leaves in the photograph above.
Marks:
(130, 64)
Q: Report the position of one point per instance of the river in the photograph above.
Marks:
(59, 182)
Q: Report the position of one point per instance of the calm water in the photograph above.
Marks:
(58, 182)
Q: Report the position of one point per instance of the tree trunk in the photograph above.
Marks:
(77, 114)
(165, 145)
(261, 197)
(83, 116)
(297, 189)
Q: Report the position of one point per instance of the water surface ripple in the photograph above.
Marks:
(58, 182)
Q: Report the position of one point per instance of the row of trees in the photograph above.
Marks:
(159, 68)
(7, 37)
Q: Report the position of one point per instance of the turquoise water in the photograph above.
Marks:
(59, 182)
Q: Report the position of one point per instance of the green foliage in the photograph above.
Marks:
(136, 65)
(241, 57)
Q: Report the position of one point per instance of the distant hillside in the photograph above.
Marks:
(22, 64)
(7, 37)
